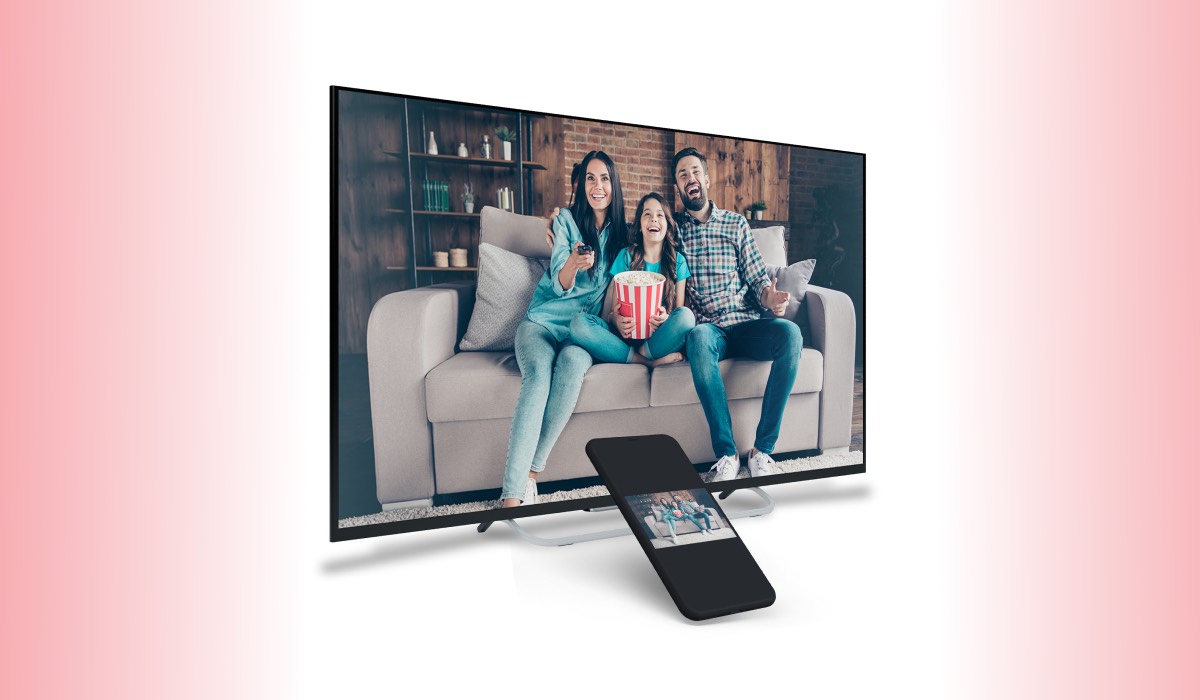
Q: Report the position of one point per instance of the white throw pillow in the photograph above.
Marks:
(770, 244)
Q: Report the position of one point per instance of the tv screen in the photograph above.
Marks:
(509, 284)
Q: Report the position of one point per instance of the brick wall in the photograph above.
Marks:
(642, 156)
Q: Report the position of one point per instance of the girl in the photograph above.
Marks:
(654, 247)
(552, 367)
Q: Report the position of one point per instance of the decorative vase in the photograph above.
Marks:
(758, 214)
(485, 148)
(508, 150)
(441, 259)
(458, 257)
(431, 147)
(469, 207)
(462, 150)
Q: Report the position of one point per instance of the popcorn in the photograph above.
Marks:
(640, 278)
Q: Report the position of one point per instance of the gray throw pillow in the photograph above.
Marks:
(793, 280)
(505, 286)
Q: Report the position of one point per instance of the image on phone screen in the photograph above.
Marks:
(681, 517)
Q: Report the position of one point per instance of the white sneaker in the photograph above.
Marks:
(530, 493)
(674, 539)
(725, 469)
(761, 464)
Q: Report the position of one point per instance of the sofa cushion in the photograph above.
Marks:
(671, 385)
(792, 279)
(771, 245)
(516, 233)
(506, 285)
(482, 385)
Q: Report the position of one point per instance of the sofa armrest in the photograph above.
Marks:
(832, 320)
(408, 334)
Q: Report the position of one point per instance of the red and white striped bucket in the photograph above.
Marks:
(643, 291)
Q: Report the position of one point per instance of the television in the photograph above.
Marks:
(441, 243)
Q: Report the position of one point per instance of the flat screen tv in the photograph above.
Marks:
(477, 344)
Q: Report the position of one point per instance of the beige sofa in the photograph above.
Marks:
(441, 417)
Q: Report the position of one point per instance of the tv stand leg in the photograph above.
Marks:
(767, 507)
(564, 541)
(483, 527)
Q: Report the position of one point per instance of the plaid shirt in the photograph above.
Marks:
(728, 273)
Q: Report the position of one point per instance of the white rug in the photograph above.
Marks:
(391, 516)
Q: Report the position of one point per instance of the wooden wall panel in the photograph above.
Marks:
(547, 149)
(743, 172)
(369, 239)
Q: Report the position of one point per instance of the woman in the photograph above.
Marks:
(654, 247)
(552, 367)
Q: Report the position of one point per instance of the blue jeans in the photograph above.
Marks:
(593, 333)
(551, 376)
(774, 339)
(687, 516)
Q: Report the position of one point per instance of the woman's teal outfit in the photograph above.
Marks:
(552, 367)
(594, 333)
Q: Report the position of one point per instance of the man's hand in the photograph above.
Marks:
(775, 300)
(549, 229)
(659, 318)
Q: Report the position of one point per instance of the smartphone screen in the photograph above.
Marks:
(696, 551)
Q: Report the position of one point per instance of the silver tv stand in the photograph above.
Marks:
(769, 505)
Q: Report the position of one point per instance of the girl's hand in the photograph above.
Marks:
(581, 262)
(659, 318)
(624, 324)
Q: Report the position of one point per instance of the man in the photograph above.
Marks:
(729, 292)
(693, 509)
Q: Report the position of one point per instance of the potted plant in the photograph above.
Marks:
(468, 198)
(506, 135)
(758, 208)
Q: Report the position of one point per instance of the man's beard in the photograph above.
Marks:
(697, 203)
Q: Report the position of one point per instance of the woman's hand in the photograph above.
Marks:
(581, 261)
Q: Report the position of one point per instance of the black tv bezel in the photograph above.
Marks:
(337, 534)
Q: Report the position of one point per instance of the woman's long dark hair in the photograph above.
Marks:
(637, 247)
(614, 216)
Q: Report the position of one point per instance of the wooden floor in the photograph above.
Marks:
(356, 456)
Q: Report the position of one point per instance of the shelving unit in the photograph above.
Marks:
(430, 231)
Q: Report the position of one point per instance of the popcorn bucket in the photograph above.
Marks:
(640, 294)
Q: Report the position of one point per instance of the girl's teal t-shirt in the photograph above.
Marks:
(621, 264)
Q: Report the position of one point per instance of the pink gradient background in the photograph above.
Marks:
(1077, 140)
(166, 286)
(137, 367)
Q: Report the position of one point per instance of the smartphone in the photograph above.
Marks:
(700, 558)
